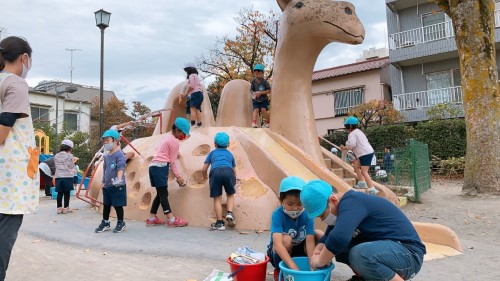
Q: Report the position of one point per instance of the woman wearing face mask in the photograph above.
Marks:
(292, 231)
(19, 188)
(371, 234)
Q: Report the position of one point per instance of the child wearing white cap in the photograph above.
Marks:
(65, 170)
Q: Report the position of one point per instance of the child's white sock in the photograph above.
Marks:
(106, 221)
(152, 218)
(171, 219)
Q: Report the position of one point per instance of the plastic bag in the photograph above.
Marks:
(218, 275)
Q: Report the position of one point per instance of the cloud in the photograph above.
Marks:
(147, 42)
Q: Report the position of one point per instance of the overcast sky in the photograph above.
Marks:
(147, 42)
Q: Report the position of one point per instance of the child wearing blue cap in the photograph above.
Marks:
(371, 235)
(222, 173)
(114, 190)
(162, 162)
(292, 231)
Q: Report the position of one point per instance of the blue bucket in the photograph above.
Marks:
(304, 273)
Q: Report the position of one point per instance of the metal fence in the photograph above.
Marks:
(404, 170)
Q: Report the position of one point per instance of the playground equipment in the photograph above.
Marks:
(42, 141)
(263, 156)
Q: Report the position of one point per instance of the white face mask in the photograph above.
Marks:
(109, 146)
(331, 219)
(293, 214)
(25, 71)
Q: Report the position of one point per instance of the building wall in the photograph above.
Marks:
(323, 100)
(49, 101)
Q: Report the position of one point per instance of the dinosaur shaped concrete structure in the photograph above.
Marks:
(263, 156)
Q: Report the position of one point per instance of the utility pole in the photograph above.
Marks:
(71, 69)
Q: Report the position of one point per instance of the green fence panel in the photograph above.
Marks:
(405, 170)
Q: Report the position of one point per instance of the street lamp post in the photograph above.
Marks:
(102, 21)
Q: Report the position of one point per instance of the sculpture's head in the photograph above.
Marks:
(334, 21)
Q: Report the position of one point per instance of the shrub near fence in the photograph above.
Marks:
(445, 138)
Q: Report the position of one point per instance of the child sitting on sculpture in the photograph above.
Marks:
(222, 174)
(165, 158)
(358, 143)
(114, 190)
(259, 89)
(292, 231)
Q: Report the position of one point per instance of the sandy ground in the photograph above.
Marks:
(64, 247)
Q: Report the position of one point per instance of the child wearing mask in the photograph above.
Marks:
(292, 231)
(114, 190)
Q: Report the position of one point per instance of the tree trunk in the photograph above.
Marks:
(474, 23)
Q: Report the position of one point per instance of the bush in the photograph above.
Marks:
(449, 167)
(446, 138)
(393, 135)
(337, 137)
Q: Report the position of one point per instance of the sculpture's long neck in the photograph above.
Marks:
(292, 113)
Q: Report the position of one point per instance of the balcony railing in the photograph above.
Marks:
(426, 34)
(429, 98)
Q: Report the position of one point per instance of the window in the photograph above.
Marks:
(440, 84)
(347, 99)
(39, 114)
(436, 26)
(70, 121)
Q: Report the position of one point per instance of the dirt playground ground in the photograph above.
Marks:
(64, 247)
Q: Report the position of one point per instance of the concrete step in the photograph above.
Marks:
(350, 181)
(338, 171)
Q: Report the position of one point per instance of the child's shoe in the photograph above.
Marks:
(59, 211)
(155, 221)
(104, 226)
(266, 125)
(372, 190)
(254, 125)
(178, 222)
(360, 185)
(230, 219)
(218, 225)
(67, 210)
(120, 226)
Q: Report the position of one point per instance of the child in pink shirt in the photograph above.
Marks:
(158, 173)
(194, 90)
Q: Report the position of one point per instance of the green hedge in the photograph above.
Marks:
(393, 135)
(445, 138)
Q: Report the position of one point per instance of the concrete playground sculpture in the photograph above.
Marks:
(264, 156)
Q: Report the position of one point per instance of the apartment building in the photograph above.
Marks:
(336, 90)
(424, 58)
(69, 104)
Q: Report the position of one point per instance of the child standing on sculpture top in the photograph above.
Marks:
(165, 158)
(114, 190)
(194, 90)
(222, 174)
(358, 143)
(259, 89)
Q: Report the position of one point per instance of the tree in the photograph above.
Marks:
(473, 23)
(234, 58)
(139, 109)
(115, 112)
(443, 111)
(376, 112)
